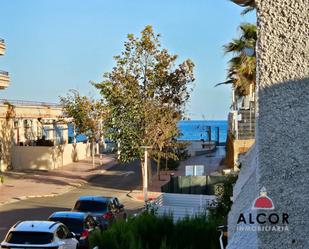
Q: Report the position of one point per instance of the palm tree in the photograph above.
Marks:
(249, 5)
(242, 67)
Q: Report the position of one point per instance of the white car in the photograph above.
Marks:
(40, 235)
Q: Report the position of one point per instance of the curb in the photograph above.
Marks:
(23, 198)
(151, 195)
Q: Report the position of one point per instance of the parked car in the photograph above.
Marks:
(40, 234)
(105, 210)
(81, 224)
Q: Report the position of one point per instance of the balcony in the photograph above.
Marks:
(2, 47)
(4, 79)
(242, 124)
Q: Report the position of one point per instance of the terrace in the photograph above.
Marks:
(4, 79)
(2, 47)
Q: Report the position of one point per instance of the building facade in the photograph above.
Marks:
(4, 76)
(24, 123)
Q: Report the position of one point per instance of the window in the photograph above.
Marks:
(91, 206)
(74, 225)
(32, 238)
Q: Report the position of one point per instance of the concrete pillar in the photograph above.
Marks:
(283, 117)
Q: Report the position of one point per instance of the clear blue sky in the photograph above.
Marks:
(57, 45)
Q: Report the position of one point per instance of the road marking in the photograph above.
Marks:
(127, 173)
(118, 173)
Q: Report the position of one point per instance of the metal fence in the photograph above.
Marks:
(28, 103)
(4, 73)
(205, 185)
(242, 124)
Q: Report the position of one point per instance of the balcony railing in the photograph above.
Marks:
(2, 47)
(4, 73)
(28, 103)
(4, 79)
(242, 124)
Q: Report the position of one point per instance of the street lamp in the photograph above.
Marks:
(145, 182)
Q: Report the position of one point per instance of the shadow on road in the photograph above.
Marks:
(9, 217)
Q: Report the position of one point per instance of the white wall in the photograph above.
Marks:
(48, 158)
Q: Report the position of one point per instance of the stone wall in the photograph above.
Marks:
(283, 122)
(282, 144)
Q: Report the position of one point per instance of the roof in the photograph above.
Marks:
(94, 198)
(36, 226)
(68, 214)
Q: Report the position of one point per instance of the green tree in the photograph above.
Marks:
(144, 92)
(87, 115)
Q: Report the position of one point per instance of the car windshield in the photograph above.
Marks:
(32, 238)
(74, 225)
(91, 206)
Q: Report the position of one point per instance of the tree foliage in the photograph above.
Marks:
(242, 66)
(145, 95)
(87, 113)
(249, 5)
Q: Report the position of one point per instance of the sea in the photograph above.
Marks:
(198, 129)
(189, 130)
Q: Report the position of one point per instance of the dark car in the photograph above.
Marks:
(105, 210)
(81, 224)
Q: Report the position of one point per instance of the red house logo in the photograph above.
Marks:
(263, 201)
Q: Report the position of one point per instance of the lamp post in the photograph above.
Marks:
(145, 182)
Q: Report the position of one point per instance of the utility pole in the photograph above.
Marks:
(145, 182)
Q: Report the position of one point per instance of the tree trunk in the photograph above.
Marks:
(149, 171)
(158, 167)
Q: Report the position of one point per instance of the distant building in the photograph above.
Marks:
(34, 135)
(25, 123)
(4, 76)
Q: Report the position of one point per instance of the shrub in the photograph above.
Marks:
(149, 231)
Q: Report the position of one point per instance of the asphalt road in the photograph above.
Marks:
(117, 181)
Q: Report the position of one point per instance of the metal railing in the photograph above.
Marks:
(242, 124)
(28, 103)
(4, 73)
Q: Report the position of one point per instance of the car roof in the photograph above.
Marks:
(94, 198)
(69, 214)
(36, 226)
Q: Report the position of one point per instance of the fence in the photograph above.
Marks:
(183, 205)
(27, 103)
(206, 185)
(242, 124)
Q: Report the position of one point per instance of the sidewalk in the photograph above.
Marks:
(211, 162)
(22, 185)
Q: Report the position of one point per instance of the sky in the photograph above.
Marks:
(57, 45)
